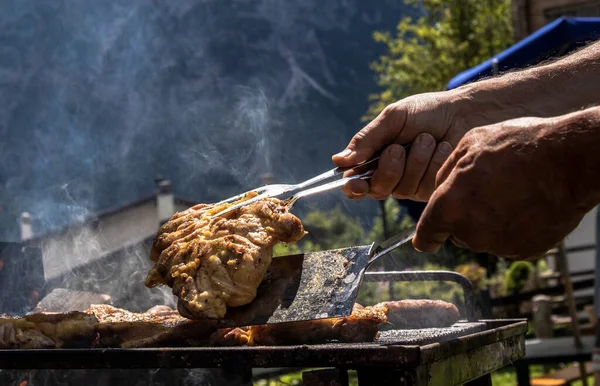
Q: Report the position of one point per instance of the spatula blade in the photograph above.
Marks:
(308, 286)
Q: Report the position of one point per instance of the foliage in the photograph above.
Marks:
(373, 293)
(283, 249)
(542, 265)
(329, 229)
(517, 275)
(447, 291)
(333, 229)
(394, 220)
(425, 54)
(503, 377)
(475, 273)
(295, 378)
(496, 283)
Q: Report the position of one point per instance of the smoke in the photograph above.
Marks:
(253, 112)
(120, 274)
(100, 97)
(97, 98)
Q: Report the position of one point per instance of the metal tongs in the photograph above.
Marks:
(330, 180)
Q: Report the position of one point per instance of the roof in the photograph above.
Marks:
(553, 40)
(99, 216)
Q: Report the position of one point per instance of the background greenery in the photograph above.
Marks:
(426, 53)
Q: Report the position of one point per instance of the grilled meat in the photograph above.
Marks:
(107, 326)
(48, 330)
(158, 327)
(215, 263)
(360, 326)
(421, 313)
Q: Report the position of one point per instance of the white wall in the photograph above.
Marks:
(583, 235)
(82, 245)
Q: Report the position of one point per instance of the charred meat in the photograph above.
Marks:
(107, 326)
(158, 327)
(360, 326)
(48, 330)
(215, 263)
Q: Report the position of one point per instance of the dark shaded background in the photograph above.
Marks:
(97, 98)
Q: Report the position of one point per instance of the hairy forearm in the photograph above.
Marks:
(547, 90)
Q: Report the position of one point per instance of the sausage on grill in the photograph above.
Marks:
(421, 313)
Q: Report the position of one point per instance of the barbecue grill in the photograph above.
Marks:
(466, 352)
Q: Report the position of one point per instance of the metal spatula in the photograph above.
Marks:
(311, 286)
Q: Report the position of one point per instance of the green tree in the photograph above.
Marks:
(452, 36)
(395, 223)
(331, 229)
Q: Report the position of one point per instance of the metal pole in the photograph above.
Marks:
(495, 66)
(570, 298)
(386, 235)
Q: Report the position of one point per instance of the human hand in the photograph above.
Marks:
(514, 189)
(430, 122)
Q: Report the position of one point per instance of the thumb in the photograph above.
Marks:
(379, 133)
(432, 229)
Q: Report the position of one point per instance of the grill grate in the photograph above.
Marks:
(425, 336)
(506, 336)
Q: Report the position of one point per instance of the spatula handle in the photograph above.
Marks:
(381, 249)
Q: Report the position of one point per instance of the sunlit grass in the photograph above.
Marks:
(503, 377)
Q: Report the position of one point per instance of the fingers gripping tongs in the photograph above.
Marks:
(323, 182)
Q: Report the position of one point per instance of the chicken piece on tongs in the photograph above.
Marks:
(213, 263)
(215, 256)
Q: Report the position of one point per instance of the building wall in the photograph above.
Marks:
(83, 245)
(531, 15)
(585, 234)
(21, 277)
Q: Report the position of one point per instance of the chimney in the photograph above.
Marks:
(165, 203)
(267, 178)
(26, 229)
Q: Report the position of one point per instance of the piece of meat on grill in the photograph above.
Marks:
(158, 327)
(360, 326)
(421, 313)
(215, 263)
(48, 330)
(106, 326)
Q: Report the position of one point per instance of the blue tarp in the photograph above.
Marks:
(555, 39)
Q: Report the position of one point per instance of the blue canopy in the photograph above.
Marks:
(553, 40)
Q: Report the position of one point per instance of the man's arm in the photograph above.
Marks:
(435, 122)
(552, 89)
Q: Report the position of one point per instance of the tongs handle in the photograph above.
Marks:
(369, 163)
(362, 170)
